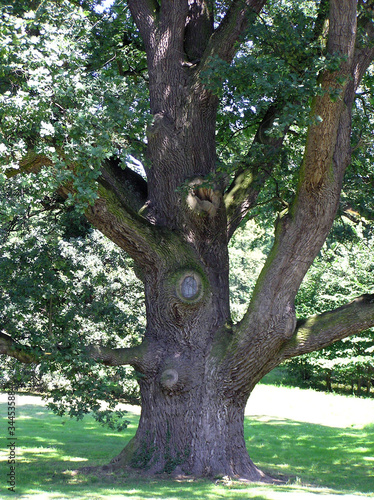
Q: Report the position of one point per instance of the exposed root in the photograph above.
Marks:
(115, 473)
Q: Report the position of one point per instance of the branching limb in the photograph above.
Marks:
(324, 329)
(138, 356)
(245, 188)
(248, 182)
(223, 42)
(121, 194)
(13, 349)
(302, 231)
(270, 321)
(364, 53)
(161, 27)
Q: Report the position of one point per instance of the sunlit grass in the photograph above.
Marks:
(318, 458)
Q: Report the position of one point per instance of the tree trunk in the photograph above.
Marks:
(199, 369)
(198, 432)
(328, 381)
(196, 368)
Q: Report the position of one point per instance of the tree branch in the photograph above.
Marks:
(144, 13)
(130, 187)
(364, 53)
(302, 231)
(245, 188)
(324, 329)
(223, 41)
(270, 320)
(134, 356)
(162, 28)
(12, 348)
(121, 195)
(108, 356)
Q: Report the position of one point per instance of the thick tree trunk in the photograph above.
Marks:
(196, 369)
(194, 432)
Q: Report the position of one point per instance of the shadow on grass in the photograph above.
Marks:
(342, 459)
(48, 446)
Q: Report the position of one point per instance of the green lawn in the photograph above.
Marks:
(324, 443)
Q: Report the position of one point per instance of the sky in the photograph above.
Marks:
(104, 5)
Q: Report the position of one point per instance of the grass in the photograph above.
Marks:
(324, 443)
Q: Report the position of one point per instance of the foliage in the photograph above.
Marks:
(64, 286)
(279, 64)
(247, 251)
(59, 94)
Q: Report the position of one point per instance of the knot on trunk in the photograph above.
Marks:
(189, 286)
(175, 374)
(202, 198)
(169, 378)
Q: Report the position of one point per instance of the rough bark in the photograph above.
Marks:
(198, 369)
(300, 233)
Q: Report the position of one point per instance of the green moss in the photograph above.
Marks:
(173, 458)
(144, 453)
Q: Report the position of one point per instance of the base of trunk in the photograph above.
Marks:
(119, 469)
(189, 435)
(245, 471)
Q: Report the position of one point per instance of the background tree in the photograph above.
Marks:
(64, 285)
(228, 105)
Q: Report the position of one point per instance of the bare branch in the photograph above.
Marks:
(324, 329)
(117, 357)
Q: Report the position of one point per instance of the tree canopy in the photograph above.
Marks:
(169, 126)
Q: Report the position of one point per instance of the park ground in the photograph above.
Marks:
(323, 444)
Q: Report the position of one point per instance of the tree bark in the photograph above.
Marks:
(196, 368)
(189, 432)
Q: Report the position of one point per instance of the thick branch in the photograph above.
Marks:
(130, 187)
(162, 29)
(324, 329)
(248, 182)
(223, 41)
(364, 53)
(134, 356)
(144, 13)
(245, 188)
(301, 233)
(270, 320)
(108, 356)
(12, 348)
(114, 212)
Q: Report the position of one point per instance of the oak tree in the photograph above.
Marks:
(228, 105)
